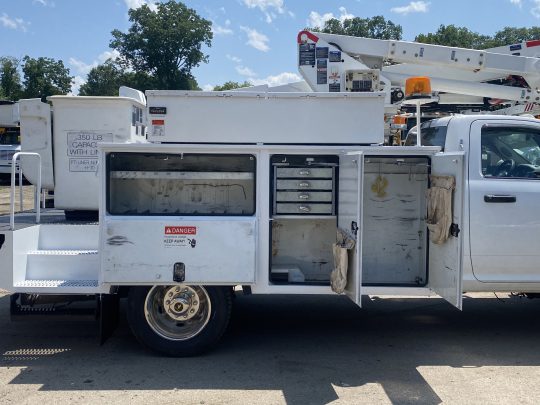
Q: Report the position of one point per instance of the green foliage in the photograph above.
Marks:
(45, 77)
(10, 79)
(102, 80)
(165, 44)
(230, 85)
(450, 35)
(512, 35)
(376, 27)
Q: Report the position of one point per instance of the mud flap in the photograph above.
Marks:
(108, 314)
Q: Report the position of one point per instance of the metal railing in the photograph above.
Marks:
(37, 192)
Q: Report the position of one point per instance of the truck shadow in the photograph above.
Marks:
(306, 347)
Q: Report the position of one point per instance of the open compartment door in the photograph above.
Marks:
(446, 257)
(351, 169)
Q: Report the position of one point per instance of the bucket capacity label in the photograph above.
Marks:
(179, 236)
(82, 149)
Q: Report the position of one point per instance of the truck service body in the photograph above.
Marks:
(277, 192)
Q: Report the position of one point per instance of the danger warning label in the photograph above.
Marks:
(180, 230)
(180, 236)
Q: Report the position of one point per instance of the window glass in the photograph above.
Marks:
(510, 152)
(432, 135)
(183, 184)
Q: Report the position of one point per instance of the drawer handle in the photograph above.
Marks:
(303, 208)
(303, 196)
(303, 184)
(304, 172)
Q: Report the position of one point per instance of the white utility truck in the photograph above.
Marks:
(277, 192)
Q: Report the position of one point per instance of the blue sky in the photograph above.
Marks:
(253, 39)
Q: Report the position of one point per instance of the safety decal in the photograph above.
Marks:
(180, 236)
(322, 53)
(334, 56)
(307, 54)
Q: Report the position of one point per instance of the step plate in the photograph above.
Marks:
(55, 283)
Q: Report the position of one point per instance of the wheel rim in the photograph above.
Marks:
(178, 312)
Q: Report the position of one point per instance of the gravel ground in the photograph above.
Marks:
(28, 195)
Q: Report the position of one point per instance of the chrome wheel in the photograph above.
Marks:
(177, 312)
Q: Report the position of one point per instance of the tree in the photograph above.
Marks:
(165, 44)
(375, 27)
(45, 77)
(102, 80)
(10, 79)
(230, 85)
(513, 35)
(450, 35)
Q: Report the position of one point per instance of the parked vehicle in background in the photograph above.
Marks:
(10, 142)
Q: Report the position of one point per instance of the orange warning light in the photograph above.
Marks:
(417, 87)
(400, 120)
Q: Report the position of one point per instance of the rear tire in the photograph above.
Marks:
(179, 320)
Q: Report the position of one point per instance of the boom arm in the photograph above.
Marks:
(453, 70)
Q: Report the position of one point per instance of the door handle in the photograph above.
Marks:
(492, 198)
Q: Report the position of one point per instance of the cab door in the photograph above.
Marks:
(351, 168)
(446, 259)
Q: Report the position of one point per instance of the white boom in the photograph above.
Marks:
(451, 69)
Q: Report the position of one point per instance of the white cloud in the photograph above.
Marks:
(318, 20)
(208, 87)
(78, 81)
(233, 58)
(412, 7)
(536, 9)
(220, 30)
(245, 71)
(114, 54)
(268, 7)
(518, 3)
(139, 3)
(14, 23)
(44, 3)
(256, 39)
(277, 80)
(83, 68)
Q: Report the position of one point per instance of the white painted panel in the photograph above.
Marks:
(36, 137)
(80, 124)
(350, 217)
(144, 250)
(244, 117)
(446, 260)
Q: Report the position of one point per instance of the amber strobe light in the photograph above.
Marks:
(417, 87)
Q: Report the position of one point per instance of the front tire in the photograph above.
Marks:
(179, 320)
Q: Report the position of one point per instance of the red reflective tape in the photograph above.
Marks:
(530, 44)
(180, 230)
(158, 122)
(311, 36)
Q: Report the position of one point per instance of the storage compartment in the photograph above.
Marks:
(181, 184)
(392, 222)
(394, 233)
(302, 250)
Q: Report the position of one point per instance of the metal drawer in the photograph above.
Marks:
(319, 196)
(296, 208)
(304, 185)
(305, 172)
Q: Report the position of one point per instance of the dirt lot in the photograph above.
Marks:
(28, 192)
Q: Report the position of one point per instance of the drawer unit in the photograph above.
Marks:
(305, 172)
(303, 209)
(304, 185)
(304, 196)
